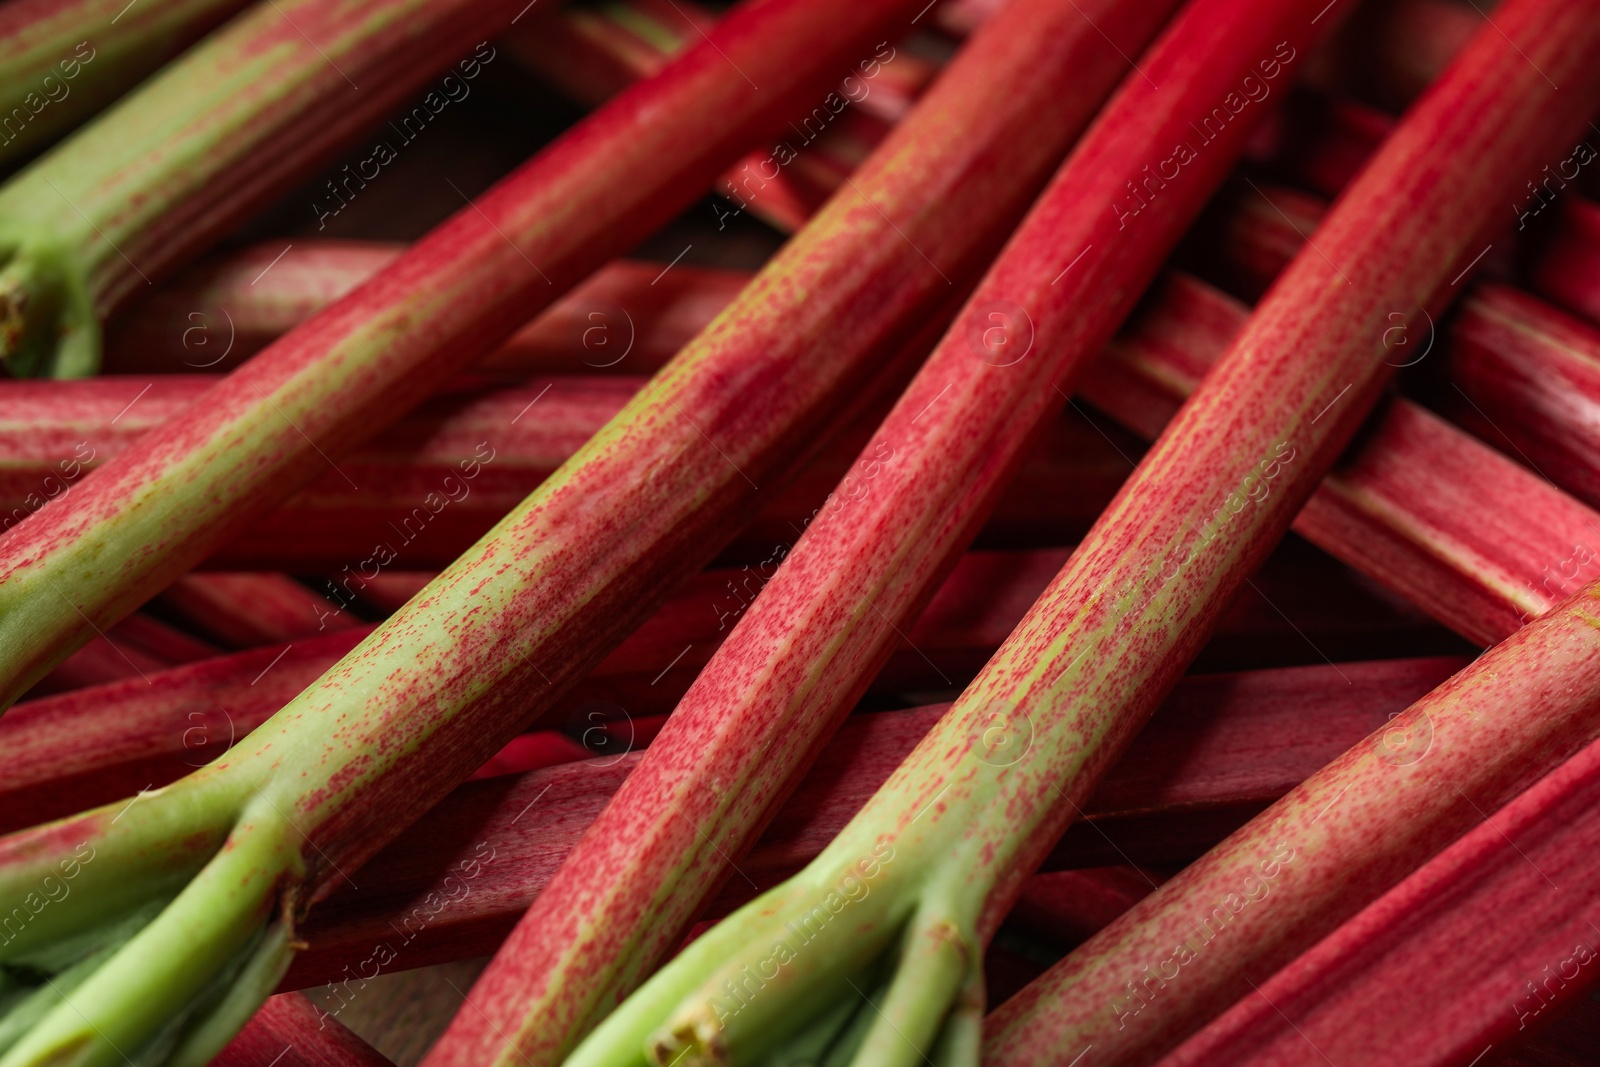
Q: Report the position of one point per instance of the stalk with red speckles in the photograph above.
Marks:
(61, 60)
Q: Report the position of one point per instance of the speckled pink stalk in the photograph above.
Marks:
(921, 488)
(216, 135)
(1315, 348)
(1486, 943)
(291, 1031)
(133, 526)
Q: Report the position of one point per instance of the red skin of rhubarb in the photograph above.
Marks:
(933, 479)
(244, 610)
(41, 39)
(270, 426)
(1226, 743)
(1270, 417)
(290, 1031)
(627, 318)
(1489, 939)
(800, 658)
(1406, 505)
(1530, 376)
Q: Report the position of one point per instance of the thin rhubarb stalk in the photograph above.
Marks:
(757, 714)
(1259, 429)
(1075, 1004)
(271, 425)
(441, 685)
(1222, 744)
(628, 318)
(60, 62)
(1486, 941)
(220, 132)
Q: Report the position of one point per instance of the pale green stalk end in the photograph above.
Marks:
(48, 327)
(179, 968)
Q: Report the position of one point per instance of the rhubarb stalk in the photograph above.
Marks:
(1489, 939)
(187, 156)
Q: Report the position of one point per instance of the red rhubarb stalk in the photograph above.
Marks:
(291, 1031)
(1487, 941)
(1334, 308)
(219, 133)
(62, 61)
(801, 655)
(273, 424)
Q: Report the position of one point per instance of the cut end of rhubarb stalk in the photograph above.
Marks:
(858, 968)
(48, 328)
(148, 931)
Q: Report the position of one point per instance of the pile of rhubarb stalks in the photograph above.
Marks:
(799, 533)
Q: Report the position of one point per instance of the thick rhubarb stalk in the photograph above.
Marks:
(179, 162)
(1342, 301)
(1221, 747)
(60, 62)
(1489, 939)
(629, 318)
(441, 685)
(273, 424)
(803, 652)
